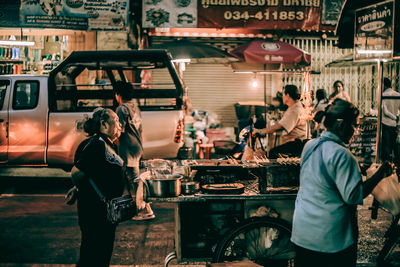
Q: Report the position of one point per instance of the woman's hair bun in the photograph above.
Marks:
(92, 125)
(340, 109)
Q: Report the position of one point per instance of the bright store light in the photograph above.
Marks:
(183, 60)
(374, 51)
(17, 43)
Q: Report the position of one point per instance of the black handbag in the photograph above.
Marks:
(119, 209)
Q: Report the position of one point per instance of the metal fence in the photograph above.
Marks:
(360, 80)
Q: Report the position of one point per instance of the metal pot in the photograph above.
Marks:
(190, 188)
(165, 186)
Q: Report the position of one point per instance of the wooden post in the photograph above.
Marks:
(379, 120)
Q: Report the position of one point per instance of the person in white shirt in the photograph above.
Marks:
(390, 118)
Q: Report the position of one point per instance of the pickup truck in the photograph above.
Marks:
(41, 117)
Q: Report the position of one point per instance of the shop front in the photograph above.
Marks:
(35, 36)
(39, 51)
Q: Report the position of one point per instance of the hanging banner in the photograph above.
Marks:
(75, 14)
(169, 14)
(331, 11)
(260, 14)
(373, 35)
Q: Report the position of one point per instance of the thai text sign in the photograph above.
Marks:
(374, 32)
(260, 14)
(75, 14)
(169, 14)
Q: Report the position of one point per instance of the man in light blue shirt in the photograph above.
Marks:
(325, 220)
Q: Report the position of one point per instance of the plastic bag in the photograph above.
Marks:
(387, 193)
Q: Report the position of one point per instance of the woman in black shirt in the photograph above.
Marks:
(97, 158)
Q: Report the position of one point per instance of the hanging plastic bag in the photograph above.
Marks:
(387, 192)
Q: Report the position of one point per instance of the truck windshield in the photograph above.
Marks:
(84, 86)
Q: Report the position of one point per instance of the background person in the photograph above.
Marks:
(339, 92)
(96, 157)
(130, 141)
(325, 227)
(322, 100)
(316, 124)
(390, 118)
(291, 122)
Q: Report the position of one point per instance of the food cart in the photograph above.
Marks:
(244, 212)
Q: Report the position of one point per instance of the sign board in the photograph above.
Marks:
(396, 52)
(241, 14)
(169, 14)
(9, 13)
(373, 35)
(331, 11)
(260, 14)
(363, 143)
(75, 14)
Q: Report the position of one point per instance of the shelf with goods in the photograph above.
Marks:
(10, 60)
(11, 66)
(41, 50)
(33, 54)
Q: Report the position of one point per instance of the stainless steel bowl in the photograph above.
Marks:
(166, 186)
(190, 187)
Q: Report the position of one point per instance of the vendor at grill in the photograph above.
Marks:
(292, 123)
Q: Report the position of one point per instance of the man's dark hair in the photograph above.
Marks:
(319, 116)
(320, 94)
(124, 89)
(279, 99)
(292, 91)
(386, 83)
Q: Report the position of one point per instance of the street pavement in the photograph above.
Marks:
(40, 231)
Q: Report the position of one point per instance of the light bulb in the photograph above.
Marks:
(254, 81)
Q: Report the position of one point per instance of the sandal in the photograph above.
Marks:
(143, 216)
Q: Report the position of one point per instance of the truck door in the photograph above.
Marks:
(27, 123)
(4, 96)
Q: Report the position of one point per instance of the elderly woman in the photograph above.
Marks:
(97, 158)
(325, 220)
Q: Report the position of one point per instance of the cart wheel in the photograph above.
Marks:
(265, 241)
(169, 258)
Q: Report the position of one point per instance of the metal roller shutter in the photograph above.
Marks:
(216, 88)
